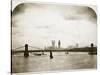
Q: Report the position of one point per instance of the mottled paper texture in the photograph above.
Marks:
(53, 37)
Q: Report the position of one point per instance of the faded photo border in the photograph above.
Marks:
(5, 38)
(57, 4)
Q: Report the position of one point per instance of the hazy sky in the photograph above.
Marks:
(38, 24)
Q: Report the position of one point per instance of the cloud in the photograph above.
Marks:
(80, 13)
(73, 17)
(92, 16)
(43, 27)
(46, 22)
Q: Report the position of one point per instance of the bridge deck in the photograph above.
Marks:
(63, 50)
(21, 51)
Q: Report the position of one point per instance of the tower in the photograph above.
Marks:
(59, 44)
(26, 53)
(53, 43)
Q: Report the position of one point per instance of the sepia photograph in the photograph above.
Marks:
(49, 37)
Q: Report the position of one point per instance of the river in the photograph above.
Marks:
(60, 62)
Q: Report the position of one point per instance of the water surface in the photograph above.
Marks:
(61, 61)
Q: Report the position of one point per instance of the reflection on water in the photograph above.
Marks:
(61, 61)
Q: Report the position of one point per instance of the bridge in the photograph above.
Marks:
(90, 50)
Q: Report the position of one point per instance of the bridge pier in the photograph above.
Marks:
(51, 56)
(26, 53)
(91, 49)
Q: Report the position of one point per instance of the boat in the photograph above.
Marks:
(39, 54)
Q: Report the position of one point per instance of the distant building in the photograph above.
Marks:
(53, 43)
(70, 47)
(59, 44)
(77, 45)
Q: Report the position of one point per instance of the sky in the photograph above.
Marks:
(37, 24)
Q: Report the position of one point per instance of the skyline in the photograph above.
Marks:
(38, 24)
